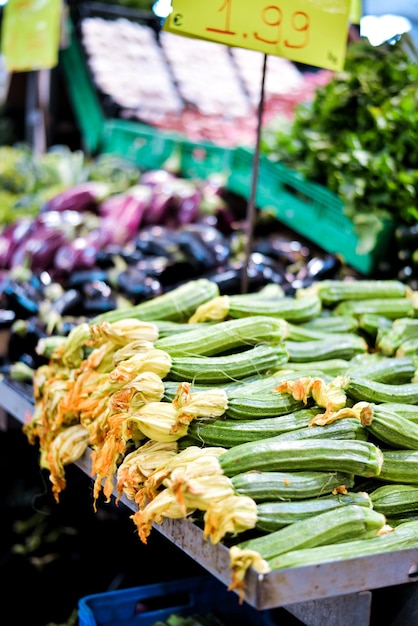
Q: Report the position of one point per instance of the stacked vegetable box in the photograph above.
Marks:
(285, 427)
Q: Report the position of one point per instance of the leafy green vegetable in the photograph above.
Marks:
(359, 136)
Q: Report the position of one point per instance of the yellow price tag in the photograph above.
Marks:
(307, 31)
(30, 34)
(356, 11)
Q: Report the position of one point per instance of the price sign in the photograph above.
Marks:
(356, 11)
(308, 31)
(30, 34)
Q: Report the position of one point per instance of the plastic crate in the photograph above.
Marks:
(146, 605)
(145, 146)
(84, 99)
(199, 160)
(309, 209)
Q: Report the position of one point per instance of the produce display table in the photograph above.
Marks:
(338, 594)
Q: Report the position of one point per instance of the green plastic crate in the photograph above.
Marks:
(83, 96)
(144, 145)
(309, 209)
(200, 160)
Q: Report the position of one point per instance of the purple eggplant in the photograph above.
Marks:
(82, 197)
(11, 237)
(80, 253)
(122, 214)
(38, 250)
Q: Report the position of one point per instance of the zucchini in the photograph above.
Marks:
(223, 369)
(363, 389)
(261, 405)
(362, 458)
(372, 324)
(333, 291)
(347, 428)
(392, 308)
(176, 305)
(393, 429)
(333, 323)
(386, 370)
(287, 307)
(330, 527)
(403, 536)
(400, 466)
(410, 411)
(395, 499)
(228, 432)
(401, 330)
(166, 328)
(274, 515)
(334, 346)
(300, 332)
(408, 348)
(279, 486)
(214, 339)
(329, 367)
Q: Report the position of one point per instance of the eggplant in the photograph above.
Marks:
(82, 197)
(38, 250)
(20, 298)
(11, 237)
(69, 303)
(137, 285)
(24, 337)
(122, 214)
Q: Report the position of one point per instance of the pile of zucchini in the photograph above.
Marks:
(320, 428)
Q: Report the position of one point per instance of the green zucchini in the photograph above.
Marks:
(215, 339)
(401, 330)
(176, 305)
(393, 429)
(385, 370)
(330, 367)
(395, 499)
(334, 346)
(391, 308)
(362, 458)
(410, 411)
(298, 485)
(329, 527)
(372, 324)
(274, 515)
(261, 405)
(363, 389)
(400, 466)
(402, 537)
(333, 291)
(166, 328)
(333, 323)
(223, 369)
(288, 307)
(408, 348)
(347, 428)
(229, 432)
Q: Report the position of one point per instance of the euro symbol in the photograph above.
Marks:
(178, 19)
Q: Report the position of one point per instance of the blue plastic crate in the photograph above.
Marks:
(146, 605)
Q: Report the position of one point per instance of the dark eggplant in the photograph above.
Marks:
(20, 298)
(135, 284)
(24, 337)
(69, 303)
